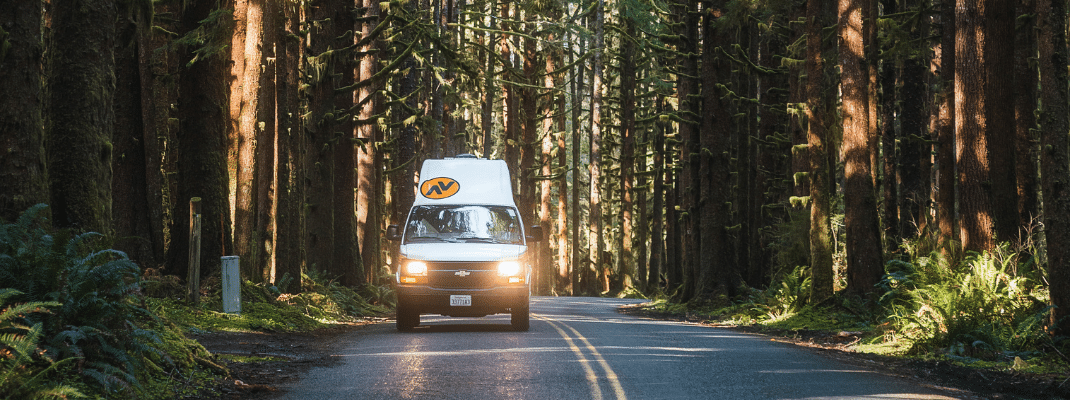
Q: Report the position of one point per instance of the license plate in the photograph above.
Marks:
(461, 300)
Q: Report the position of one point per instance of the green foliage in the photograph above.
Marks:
(979, 308)
(24, 368)
(973, 309)
(211, 38)
(791, 240)
(97, 332)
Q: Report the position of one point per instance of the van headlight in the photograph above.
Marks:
(509, 268)
(416, 268)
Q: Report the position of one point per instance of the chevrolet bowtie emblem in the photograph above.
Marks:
(462, 273)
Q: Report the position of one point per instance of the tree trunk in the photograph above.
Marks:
(548, 142)
(864, 264)
(23, 178)
(487, 117)
(561, 283)
(346, 261)
(405, 158)
(132, 205)
(267, 141)
(892, 170)
(657, 228)
(202, 152)
(914, 146)
(81, 113)
(291, 177)
(971, 150)
(946, 215)
(577, 264)
(685, 181)
(596, 142)
(1054, 158)
(819, 121)
(246, 233)
(369, 163)
(999, 20)
(529, 147)
(235, 98)
(716, 276)
(625, 260)
(1025, 106)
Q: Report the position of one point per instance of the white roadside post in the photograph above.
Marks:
(231, 285)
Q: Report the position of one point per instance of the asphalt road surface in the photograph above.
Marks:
(581, 348)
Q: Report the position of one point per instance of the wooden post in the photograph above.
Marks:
(193, 279)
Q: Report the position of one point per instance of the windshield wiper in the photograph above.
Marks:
(427, 238)
(479, 239)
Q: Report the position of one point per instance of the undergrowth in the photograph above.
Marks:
(979, 310)
(74, 324)
(264, 308)
(80, 320)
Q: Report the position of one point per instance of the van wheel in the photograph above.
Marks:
(521, 318)
(407, 319)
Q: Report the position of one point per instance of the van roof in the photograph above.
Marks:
(465, 180)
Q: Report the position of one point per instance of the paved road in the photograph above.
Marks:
(581, 348)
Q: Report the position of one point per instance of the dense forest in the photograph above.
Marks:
(692, 148)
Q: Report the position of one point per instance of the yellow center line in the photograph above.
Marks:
(592, 379)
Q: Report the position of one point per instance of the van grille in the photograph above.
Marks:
(449, 275)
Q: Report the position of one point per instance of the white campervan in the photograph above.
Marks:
(464, 245)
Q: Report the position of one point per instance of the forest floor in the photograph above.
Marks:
(265, 365)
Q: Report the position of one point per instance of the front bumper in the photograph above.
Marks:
(428, 300)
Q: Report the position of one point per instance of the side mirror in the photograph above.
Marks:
(392, 233)
(535, 233)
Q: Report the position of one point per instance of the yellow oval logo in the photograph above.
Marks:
(439, 188)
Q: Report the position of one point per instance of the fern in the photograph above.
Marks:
(20, 342)
(980, 308)
(96, 325)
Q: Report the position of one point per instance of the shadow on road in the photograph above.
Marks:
(449, 328)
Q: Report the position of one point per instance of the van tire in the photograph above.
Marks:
(407, 319)
(521, 318)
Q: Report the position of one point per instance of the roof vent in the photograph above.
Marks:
(466, 155)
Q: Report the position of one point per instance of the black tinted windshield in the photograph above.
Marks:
(461, 224)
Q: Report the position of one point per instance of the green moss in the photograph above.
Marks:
(813, 318)
(263, 308)
(254, 317)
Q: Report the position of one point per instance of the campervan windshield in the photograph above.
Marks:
(463, 224)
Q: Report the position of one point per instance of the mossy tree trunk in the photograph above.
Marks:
(717, 275)
(290, 223)
(81, 114)
(1055, 156)
(134, 200)
(915, 149)
(819, 109)
(23, 179)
